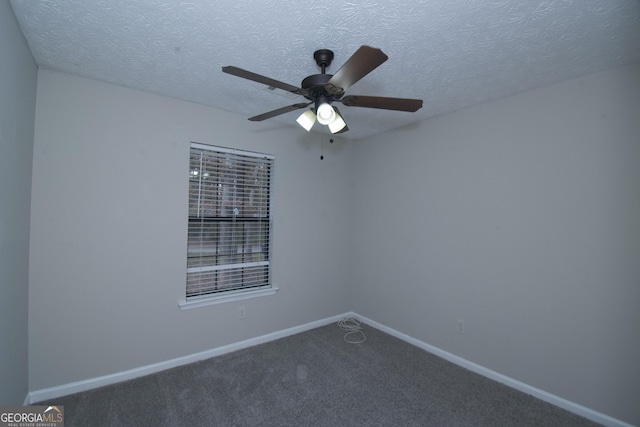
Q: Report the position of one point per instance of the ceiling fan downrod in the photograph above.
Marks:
(315, 85)
(323, 58)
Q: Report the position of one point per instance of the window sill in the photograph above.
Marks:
(219, 299)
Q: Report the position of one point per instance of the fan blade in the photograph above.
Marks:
(362, 62)
(279, 111)
(399, 104)
(235, 71)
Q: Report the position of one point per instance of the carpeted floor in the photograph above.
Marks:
(315, 379)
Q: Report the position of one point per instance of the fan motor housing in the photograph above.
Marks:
(318, 80)
(316, 85)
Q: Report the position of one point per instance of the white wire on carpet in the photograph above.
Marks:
(355, 334)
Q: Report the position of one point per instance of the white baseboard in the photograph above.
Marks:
(84, 385)
(91, 383)
(583, 411)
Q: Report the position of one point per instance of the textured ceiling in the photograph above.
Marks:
(451, 54)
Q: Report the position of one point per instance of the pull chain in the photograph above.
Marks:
(321, 148)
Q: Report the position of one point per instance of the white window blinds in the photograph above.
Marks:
(229, 241)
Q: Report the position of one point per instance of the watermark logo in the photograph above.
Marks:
(31, 416)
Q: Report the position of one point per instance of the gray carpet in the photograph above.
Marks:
(315, 379)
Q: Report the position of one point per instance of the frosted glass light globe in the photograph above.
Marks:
(325, 113)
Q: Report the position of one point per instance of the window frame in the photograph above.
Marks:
(232, 294)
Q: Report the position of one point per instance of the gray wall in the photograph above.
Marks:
(522, 217)
(109, 223)
(18, 78)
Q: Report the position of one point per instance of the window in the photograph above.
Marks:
(229, 233)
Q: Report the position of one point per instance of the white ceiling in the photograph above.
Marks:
(450, 53)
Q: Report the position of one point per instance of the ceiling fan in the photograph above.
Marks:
(323, 90)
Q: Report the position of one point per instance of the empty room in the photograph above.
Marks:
(295, 213)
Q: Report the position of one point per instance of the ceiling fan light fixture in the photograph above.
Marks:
(326, 113)
(337, 124)
(307, 119)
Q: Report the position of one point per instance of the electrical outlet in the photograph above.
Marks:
(460, 326)
(242, 312)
